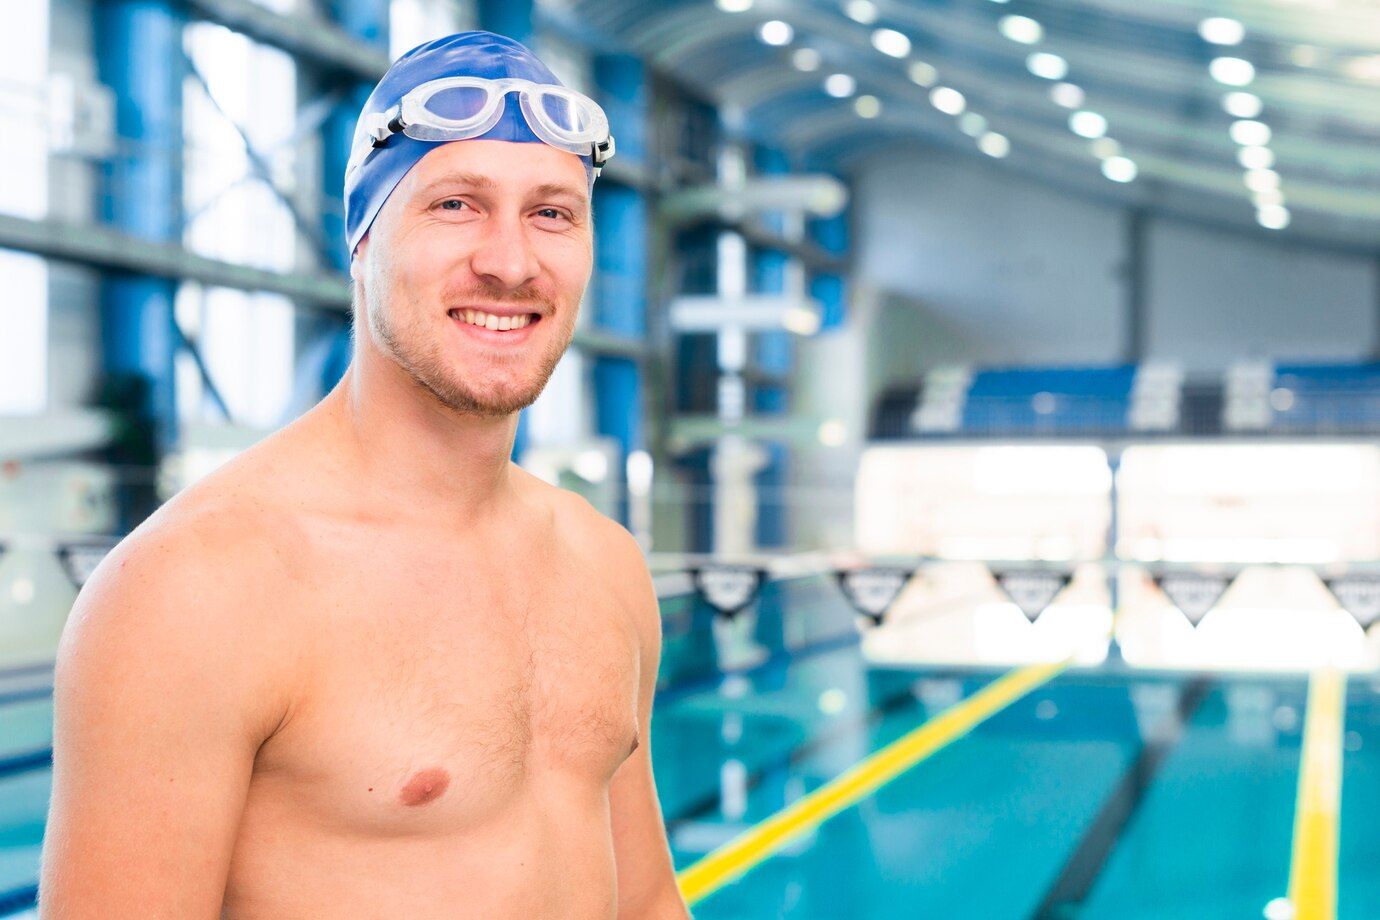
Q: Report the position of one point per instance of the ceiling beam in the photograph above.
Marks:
(309, 38)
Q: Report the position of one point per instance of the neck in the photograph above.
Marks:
(414, 450)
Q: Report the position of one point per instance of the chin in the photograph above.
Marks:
(491, 401)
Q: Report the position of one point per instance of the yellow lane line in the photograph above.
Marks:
(756, 844)
(1313, 865)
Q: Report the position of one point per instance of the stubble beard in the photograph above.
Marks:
(419, 354)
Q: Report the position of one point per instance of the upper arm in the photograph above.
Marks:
(646, 879)
(161, 701)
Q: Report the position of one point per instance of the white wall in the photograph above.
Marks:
(1212, 297)
(1022, 274)
(1027, 274)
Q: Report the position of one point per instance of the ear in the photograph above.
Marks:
(357, 257)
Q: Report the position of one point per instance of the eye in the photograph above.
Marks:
(451, 204)
(552, 213)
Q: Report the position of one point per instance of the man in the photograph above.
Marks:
(370, 668)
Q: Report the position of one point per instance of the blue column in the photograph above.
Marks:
(623, 95)
(139, 58)
(620, 258)
(831, 235)
(512, 18)
(366, 20)
(773, 356)
(618, 402)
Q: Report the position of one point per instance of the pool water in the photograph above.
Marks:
(1106, 793)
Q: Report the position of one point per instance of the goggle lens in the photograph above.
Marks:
(561, 113)
(457, 103)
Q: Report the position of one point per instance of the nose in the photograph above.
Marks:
(504, 254)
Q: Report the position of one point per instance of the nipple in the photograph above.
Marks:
(425, 786)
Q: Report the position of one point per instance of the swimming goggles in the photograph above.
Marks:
(460, 108)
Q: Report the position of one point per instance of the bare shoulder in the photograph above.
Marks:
(224, 539)
(610, 552)
(189, 596)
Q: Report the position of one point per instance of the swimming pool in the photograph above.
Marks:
(1105, 793)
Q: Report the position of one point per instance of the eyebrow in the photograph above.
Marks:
(475, 180)
(577, 199)
(549, 189)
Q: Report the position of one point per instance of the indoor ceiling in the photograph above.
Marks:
(1122, 98)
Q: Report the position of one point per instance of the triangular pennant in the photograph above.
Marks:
(728, 588)
(873, 591)
(1359, 595)
(79, 559)
(1194, 593)
(1032, 590)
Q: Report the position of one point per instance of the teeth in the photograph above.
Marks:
(492, 321)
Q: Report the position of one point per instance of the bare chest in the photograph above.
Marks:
(432, 703)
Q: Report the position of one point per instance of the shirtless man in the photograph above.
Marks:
(370, 668)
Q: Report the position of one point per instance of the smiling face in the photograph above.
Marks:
(473, 271)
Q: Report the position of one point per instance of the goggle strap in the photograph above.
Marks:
(381, 130)
(602, 151)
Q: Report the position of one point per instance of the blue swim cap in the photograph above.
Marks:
(474, 54)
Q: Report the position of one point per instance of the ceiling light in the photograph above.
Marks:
(1049, 66)
(1365, 68)
(863, 11)
(1119, 169)
(1255, 157)
(840, 85)
(1273, 217)
(889, 41)
(1249, 133)
(801, 320)
(1242, 105)
(1304, 56)
(994, 144)
(949, 101)
(922, 74)
(806, 59)
(1258, 180)
(1267, 197)
(832, 433)
(734, 6)
(1067, 95)
(1087, 124)
(1021, 29)
(972, 124)
(1232, 71)
(867, 106)
(1105, 147)
(775, 32)
(1221, 31)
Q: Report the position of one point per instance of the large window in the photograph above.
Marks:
(24, 308)
(239, 117)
